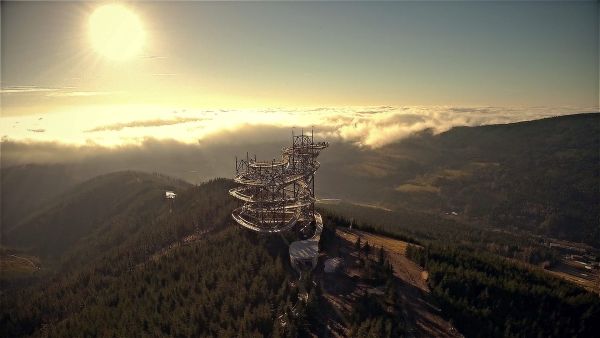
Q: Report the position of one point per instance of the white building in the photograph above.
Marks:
(305, 254)
(333, 264)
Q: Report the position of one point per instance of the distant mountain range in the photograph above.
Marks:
(99, 212)
(541, 176)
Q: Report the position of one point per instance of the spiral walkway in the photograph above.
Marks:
(279, 195)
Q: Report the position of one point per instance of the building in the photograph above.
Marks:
(333, 264)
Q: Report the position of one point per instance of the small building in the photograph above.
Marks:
(333, 264)
(378, 291)
(304, 254)
(170, 195)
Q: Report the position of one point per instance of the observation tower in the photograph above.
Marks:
(279, 195)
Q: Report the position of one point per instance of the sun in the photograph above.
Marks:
(116, 32)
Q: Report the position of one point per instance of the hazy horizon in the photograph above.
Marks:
(365, 74)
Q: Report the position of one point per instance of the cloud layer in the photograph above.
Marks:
(214, 155)
(51, 91)
(377, 126)
(371, 127)
(145, 123)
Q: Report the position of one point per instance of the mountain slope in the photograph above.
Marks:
(90, 207)
(27, 187)
(205, 289)
(186, 271)
(153, 257)
(540, 176)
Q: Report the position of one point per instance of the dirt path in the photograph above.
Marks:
(423, 318)
(32, 263)
(187, 240)
(590, 280)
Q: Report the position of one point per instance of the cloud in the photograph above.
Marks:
(383, 125)
(249, 134)
(26, 89)
(351, 146)
(146, 123)
(368, 127)
(37, 130)
(371, 127)
(193, 162)
(380, 125)
(51, 91)
(469, 110)
(153, 57)
(78, 93)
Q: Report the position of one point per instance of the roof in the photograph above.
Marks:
(306, 249)
(333, 264)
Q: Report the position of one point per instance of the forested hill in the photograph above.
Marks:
(104, 208)
(137, 247)
(538, 175)
(155, 270)
(27, 187)
(184, 271)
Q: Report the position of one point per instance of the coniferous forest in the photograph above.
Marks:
(488, 296)
(361, 169)
(188, 272)
(220, 284)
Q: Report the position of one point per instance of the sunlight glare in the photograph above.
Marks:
(116, 32)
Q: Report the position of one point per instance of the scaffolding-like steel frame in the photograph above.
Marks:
(280, 194)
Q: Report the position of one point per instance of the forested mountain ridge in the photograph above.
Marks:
(491, 297)
(541, 176)
(29, 186)
(77, 287)
(185, 271)
(94, 208)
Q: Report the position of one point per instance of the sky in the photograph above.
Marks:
(366, 72)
